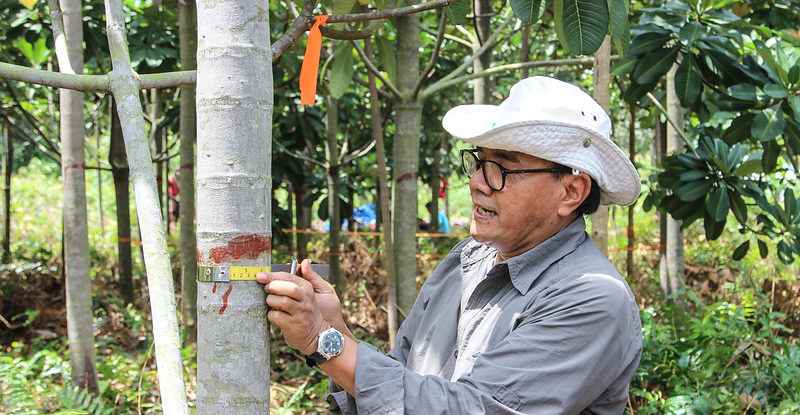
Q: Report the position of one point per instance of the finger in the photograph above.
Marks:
(308, 273)
(285, 288)
(288, 305)
(261, 277)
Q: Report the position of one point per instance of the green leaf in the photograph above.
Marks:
(688, 82)
(745, 92)
(690, 161)
(738, 207)
(719, 204)
(794, 74)
(692, 175)
(750, 166)
(776, 91)
(769, 160)
(690, 32)
(768, 124)
(792, 136)
(736, 154)
(694, 190)
(619, 27)
(741, 250)
(713, 228)
(785, 253)
(739, 129)
(654, 65)
(763, 249)
(341, 74)
(581, 25)
(529, 11)
(342, 7)
(457, 12)
(648, 42)
(387, 57)
(623, 66)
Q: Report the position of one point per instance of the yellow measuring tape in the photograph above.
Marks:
(229, 273)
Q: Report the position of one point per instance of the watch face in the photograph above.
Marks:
(332, 343)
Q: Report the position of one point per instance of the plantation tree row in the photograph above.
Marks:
(735, 74)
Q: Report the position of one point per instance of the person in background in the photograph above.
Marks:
(444, 223)
(526, 315)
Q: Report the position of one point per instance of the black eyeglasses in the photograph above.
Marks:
(493, 173)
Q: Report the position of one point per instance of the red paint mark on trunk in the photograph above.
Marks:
(241, 247)
(213, 290)
(225, 298)
(81, 166)
(407, 176)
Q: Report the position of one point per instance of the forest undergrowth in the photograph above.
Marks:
(735, 350)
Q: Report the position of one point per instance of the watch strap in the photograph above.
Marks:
(315, 359)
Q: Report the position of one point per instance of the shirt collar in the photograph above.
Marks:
(524, 269)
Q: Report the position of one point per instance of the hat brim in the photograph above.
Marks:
(558, 142)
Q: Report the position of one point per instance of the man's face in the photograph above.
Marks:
(525, 212)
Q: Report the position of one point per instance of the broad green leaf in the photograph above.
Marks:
(529, 11)
(738, 207)
(457, 12)
(769, 160)
(654, 65)
(768, 124)
(745, 92)
(690, 161)
(794, 74)
(789, 203)
(713, 228)
(690, 32)
(683, 210)
(623, 66)
(739, 129)
(648, 42)
(736, 155)
(387, 57)
(741, 250)
(342, 69)
(24, 47)
(750, 166)
(581, 25)
(792, 136)
(776, 91)
(619, 27)
(785, 253)
(719, 204)
(763, 250)
(342, 7)
(766, 54)
(688, 82)
(694, 190)
(693, 175)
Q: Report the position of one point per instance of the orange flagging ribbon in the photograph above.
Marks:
(310, 68)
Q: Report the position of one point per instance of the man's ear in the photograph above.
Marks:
(576, 190)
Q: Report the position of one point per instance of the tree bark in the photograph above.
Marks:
(383, 196)
(303, 218)
(602, 78)
(629, 261)
(8, 167)
(125, 86)
(234, 121)
(482, 87)
(121, 174)
(406, 161)
(334, 217)
(187, 18)
(674, 256)
(76, 229)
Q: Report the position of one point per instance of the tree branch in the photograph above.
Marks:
(295, 154)
(83, 83)
(434, 56)
(168, 79)
(678, 130)
(446, 36)
(33, 122)
(371, 67)
(360, 152)
(26, 137)
(381, 92)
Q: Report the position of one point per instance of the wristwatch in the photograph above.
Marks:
(329, 345)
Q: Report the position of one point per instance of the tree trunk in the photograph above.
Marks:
(335, 220)
(435, 178)
(8, 167)
(234, 121)
(482, 87)
(631, 266)
(158, 147)
(406, 161)
(602, 78)
(187, 18)
(525, 49)
(125, 86)
(383, 196)
(76, 230)
(121, 174)
(303, 219)
(674, 255)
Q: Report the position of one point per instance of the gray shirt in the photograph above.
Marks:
(552, 331)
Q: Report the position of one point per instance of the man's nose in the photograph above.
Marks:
(478, 182)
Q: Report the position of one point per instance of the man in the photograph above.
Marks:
(526, 316)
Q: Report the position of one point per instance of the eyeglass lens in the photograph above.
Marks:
(492, 172)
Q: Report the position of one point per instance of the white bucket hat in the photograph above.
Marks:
(555, 121)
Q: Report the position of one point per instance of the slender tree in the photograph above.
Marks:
(80, 328)
(187, 17)
(601, 94)
(121, 173)
(334, 216)
(7, 168)
(672, 280)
